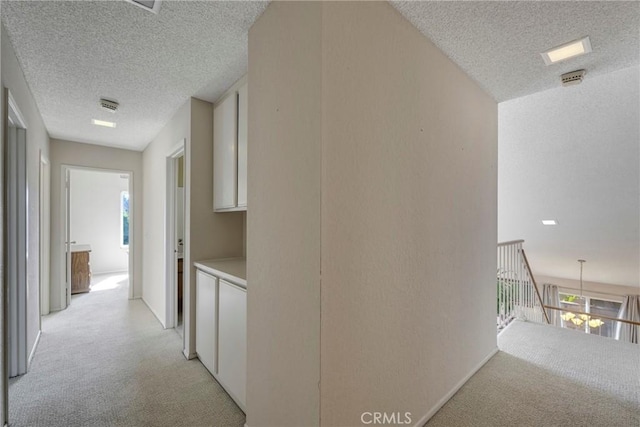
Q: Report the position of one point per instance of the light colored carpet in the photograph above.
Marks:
(106, 361)
(546, 376)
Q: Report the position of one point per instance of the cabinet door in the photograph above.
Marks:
(232, 341)
(243, 112)
(225, 160)
(206, 319)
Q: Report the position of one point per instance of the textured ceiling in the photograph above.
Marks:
(498, 43)
(573, 154)
(72, 53)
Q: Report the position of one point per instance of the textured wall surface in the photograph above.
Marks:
(372, 160)
(283, 221)
(408, 218)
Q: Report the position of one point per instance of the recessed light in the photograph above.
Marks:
(549, 222)
(103, 123)
(566, 51)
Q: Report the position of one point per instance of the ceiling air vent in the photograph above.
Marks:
(109, 105)
(573, 78)
(150, 5)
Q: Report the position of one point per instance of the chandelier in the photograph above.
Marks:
(580, 319)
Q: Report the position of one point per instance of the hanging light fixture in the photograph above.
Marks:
(580, 319)
(581, 261)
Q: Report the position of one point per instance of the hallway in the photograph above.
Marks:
(106, 361)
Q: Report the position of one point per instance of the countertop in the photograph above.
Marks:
(80, 248)
(232, 269)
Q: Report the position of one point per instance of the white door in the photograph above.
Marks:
(232, 340)
(206, 319)
(225, 160)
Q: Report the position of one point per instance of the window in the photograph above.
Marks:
(591, 308)
(124, 219)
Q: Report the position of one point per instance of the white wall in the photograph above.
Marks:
(37, 142)
(154, 159)
(207, 235)
(92, 156)
(95, 217)
(372, 217)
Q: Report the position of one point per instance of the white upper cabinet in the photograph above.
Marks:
(230, 150)
(225, 160)
(243, 112)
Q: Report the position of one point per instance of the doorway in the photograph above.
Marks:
(16, 239)
(44, 192)
(175, 238)
(98, 230)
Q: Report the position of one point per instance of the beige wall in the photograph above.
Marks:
(207, 235)
(373, 160)
(37, 142)
(154, 160)
(408, 218)
(283, 217)
(211, 235)
(92, 156)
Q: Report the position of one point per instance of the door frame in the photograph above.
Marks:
(65, 217)
(16, 222)
(170, 241)
(44, 229)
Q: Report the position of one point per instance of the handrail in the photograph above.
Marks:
(535, 285)
(599, 316)
(512, 242)
(589, 291)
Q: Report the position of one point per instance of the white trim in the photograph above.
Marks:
(170, 243)
(188, 355)
(422, 421)
(33, 350)
(17, 217)
(15, 116)
(44, 231)
(132, 225)
(154, 312)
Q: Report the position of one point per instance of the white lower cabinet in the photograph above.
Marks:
(206, 319)
(221, 333)
(232, 340)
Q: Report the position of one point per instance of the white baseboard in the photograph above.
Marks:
(422, 421)
(188, 355)
(154, 313)
(33, 350)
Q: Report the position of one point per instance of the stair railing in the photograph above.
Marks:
(518, 295)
